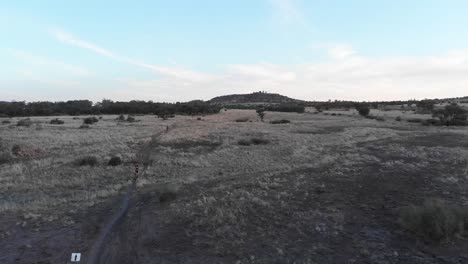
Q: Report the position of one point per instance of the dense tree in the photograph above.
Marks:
(86, 107)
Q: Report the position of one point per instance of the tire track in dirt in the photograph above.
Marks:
(142, 157)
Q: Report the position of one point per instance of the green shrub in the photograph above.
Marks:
(254, 141)
(4, 122)
(242, 119)
(121, 118)
(379, 118)
(281, 121)
(56, 121)
(16, 150)
(435, 220)
(259, 141)
(414, 120)
(244, 142)
(84, 126)
(261, 113)
(363, 110)
(87, 161)
(90, 120)
(115, 161)
(24, 122)
(131, 119)
(398, 119)
(452, 115)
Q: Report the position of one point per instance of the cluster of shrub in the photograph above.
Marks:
(450, 115)
(86, 107)
(284, 107)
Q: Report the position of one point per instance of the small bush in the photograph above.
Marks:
(131, 119)
(244, 142)
(435, 220)
(398, 119)
(254, 141)
(84, 126)
(379, 118)
(431, 122)
(414, 120)
(281, 121)
(121, 118)
(452, 115)
(5, 157)
(16, 150)
(4, 122)
(90, 120)
(57, 121)
(199, 118)
(24, 122)
(363, 110)
(87, 161)
(259, 141)
(115, 161)
(243, 119)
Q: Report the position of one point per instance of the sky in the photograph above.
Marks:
(182, 50)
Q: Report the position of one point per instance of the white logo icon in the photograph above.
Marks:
(75, 257)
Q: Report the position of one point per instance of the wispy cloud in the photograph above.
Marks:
(173, 72)
(287, 10)
(70, 39)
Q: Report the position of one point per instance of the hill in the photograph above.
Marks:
(253, 98)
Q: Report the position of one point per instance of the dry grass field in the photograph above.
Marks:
(324, 188)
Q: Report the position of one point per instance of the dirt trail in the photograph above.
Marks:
(142, 158)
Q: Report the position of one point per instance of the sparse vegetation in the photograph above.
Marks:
(84, 126)
(87, 161)
(5, 122)
(280, 121)
(398, 118)
(435, 220)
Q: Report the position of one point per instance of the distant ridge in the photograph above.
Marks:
(253, 98)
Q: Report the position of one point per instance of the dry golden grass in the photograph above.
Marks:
(47, 178)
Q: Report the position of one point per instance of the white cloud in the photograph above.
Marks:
(346, 75)
(339, 52)
(352, 77)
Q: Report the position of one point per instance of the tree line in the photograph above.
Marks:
(86, 107)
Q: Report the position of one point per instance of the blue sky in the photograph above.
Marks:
(184, 50)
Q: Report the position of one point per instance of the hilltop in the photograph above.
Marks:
(252, 98)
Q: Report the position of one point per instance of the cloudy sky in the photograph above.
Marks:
(181, 50)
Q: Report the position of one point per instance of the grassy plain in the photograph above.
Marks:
(324, 188)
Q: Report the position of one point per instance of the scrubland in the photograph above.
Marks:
(325, 188)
